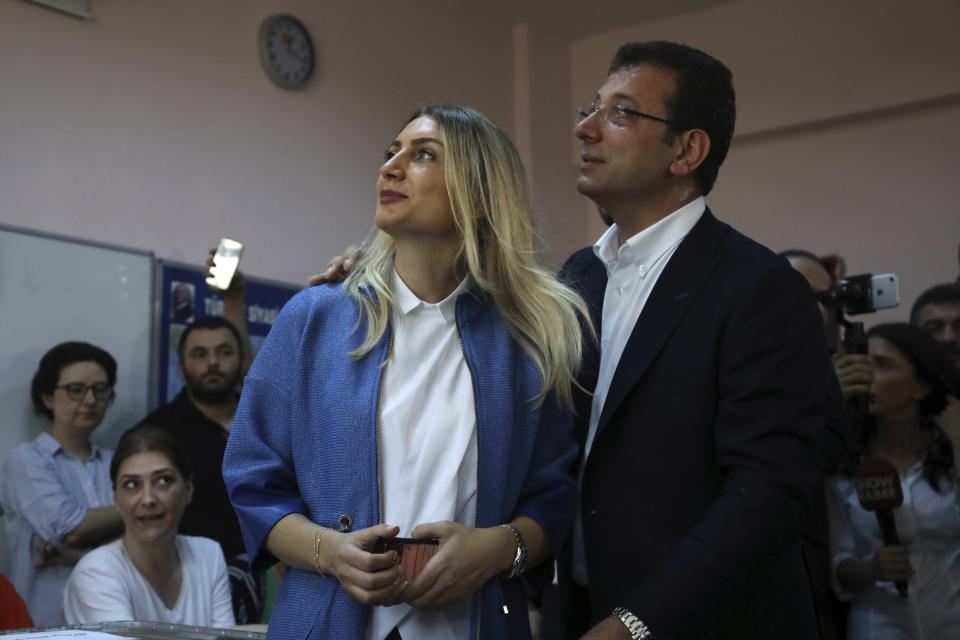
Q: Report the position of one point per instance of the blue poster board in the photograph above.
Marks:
(185, 296)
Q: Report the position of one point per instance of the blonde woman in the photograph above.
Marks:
(426, 396)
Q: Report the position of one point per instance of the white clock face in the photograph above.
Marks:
(286, 51)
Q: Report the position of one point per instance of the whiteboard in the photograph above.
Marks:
(54, 289)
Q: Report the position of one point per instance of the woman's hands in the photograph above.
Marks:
(370, 578)
(892, 563)
(889, 564)
(467, 558)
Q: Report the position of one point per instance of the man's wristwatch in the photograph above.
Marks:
(634, 625)
(520, 557)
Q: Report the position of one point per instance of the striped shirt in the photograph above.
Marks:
(46, 493)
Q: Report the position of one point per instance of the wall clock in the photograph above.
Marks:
(286, 51)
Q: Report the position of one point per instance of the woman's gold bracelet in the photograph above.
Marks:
(316, 552)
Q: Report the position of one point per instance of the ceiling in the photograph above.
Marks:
(586, 17)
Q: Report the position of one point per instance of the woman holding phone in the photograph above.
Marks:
(426, 396)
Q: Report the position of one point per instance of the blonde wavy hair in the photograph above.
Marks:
(491, 208)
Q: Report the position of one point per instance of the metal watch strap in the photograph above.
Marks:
(520, 557)
(635, 626)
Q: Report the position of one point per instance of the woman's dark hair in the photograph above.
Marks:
(145, 438)
(929, 361)
(932, 367)
(52, 363)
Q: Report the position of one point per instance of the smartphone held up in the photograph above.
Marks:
(224, 265)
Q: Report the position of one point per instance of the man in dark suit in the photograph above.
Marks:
(706, 432)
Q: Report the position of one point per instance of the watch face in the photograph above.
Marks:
(286, 51)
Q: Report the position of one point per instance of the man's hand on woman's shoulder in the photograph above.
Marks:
(338, 268)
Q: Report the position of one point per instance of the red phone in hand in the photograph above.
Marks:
(412, 553)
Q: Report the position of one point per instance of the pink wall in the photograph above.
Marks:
(543, 130)
(878, 191)
(153, 125)
(796, 62)
(848, 128)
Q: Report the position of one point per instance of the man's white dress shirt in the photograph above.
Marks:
(633, 269)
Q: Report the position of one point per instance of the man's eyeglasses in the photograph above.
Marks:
(77, 391)
(619, 115)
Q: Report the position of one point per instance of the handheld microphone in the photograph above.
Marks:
(879, 490)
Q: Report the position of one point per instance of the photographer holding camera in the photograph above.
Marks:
(855, 374)
(853, 369)
(897, 565)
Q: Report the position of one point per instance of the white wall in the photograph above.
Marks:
(848, 132)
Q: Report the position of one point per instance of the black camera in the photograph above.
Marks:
(856, 295)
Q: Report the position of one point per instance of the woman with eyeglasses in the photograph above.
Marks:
(56, 488)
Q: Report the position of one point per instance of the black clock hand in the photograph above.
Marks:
(297, 57)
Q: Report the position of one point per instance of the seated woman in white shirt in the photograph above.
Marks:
(912, 377)
(151, 573)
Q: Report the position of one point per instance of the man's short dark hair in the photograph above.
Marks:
(948, 293)
(208, 323)
(52, 363)
(704, 97)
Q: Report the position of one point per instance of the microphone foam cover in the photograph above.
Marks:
(878, 485)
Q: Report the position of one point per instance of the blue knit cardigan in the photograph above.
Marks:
(304, 441)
